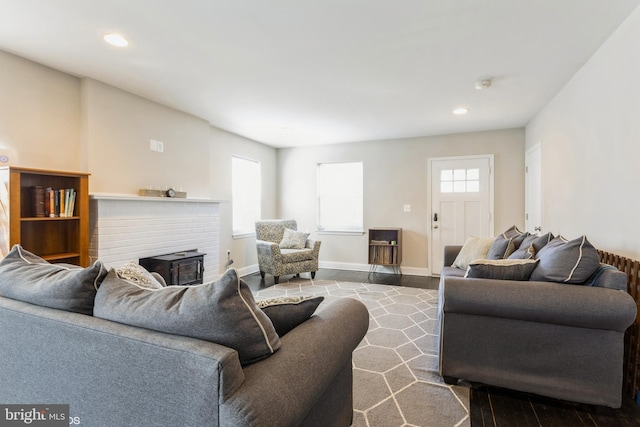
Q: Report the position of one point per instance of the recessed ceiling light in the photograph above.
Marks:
(460, 111)
(116, 40)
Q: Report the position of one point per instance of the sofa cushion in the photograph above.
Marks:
(26, 277)
(223, 312)
(566, 261)
(292, 239)
(136, 274)
(506, 243)
(501, 269)
(287, 312)
(474, 248)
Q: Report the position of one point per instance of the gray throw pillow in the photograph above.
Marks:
(501, 269)
(506, 243)
(26, 277)
(566, 261)
(530, 245)
(288, 312)
(223, 312)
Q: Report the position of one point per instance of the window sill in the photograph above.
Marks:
(243, 235)
(341, 233)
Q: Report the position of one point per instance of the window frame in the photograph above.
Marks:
(353, 229)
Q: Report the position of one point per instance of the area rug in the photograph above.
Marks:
(395, 367)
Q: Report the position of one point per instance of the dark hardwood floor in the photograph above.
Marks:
(490, 406)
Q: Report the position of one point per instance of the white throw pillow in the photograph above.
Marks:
(474, 248)
(293, 239)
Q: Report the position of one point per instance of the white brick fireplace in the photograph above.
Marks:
(127, 228)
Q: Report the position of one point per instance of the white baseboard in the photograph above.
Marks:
(412, 271)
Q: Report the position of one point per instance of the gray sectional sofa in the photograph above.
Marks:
(560, 340)
(117, 374)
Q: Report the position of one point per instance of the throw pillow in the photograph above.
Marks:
(506, 243)
(293, 239)
(288, 312)
(530, 245)
(511, 232)
(501, 269)
(136, 274)
(474, 248)
(542, 241)
(26, 277)
(223, 312)
(566, 261)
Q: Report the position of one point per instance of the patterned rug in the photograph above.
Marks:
(395, 367)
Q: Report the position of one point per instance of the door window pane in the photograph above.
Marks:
(460, 180)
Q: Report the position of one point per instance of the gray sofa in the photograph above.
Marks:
(112, 374)
(558, 340)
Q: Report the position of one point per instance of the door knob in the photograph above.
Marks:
(538, 228)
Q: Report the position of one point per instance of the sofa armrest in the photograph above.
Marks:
(450, 254)
(110, 372)
(543, 302)
(311, 356)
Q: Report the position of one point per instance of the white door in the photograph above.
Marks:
(533, 189)
(461, 203)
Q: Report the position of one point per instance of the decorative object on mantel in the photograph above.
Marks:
(163, 193)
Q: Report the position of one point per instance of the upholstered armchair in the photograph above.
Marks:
(284, 250)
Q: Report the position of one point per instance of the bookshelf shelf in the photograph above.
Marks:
(22, 220)
(385, 248)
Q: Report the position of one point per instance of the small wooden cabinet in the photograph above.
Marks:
(56, 239)
(385, 247)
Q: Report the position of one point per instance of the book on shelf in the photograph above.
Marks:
(383, 255)
(37, 196)
(60, 202)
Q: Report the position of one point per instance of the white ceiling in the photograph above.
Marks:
(303, 72)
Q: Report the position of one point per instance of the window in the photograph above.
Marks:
(245, 195)
(460, 180)
(340, 197)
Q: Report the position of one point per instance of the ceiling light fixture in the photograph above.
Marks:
(460, 111)
(483, 84)
(116, 40)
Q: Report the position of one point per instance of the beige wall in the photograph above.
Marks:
(395, 174)
(39, 114)
(224, 145)
(57, 121)
(590, 136)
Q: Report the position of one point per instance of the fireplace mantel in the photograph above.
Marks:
(134, 197)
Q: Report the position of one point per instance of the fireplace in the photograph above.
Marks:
(128, 228)
(178, 268)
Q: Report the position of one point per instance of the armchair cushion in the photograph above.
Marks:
(293, 239)
(296, 255)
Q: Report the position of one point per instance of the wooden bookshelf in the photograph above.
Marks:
(385, 247)
(56, 239)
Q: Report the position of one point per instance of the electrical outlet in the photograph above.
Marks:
(228, 252)
(155, 145)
